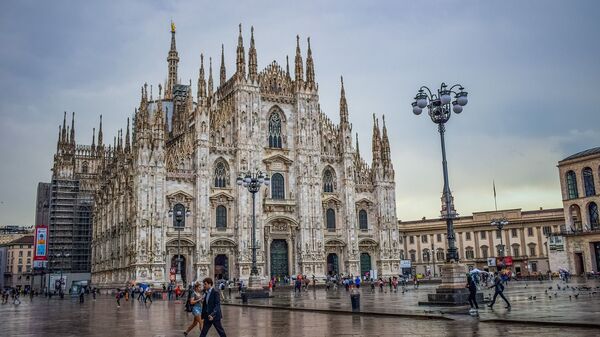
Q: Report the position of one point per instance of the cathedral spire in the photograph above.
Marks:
(210, 77)
(173, 60)
(298, 69)
(240, 68)
(201, 80)
(287, 66)
(72, 137)
(310, 68)
(127, 146)
(376, 142)
(223, 73)
(58, 142)
(93, 139)
(63, 135)
(357, 148)
(343, 105)
(100, 133)
(385, 145)
(252, 61)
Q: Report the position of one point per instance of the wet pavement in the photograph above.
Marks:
(549, 306)
(102, 318)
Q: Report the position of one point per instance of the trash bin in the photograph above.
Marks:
(355, 299)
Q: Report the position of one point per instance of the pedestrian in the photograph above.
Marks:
(472, 294)
(170, 291)
(416, 282)
(141, 295)
(177, 292)
(148, 295)
(31, 293)
(81, 293)
(498, 290)
(229, 287)
(118, 297)
(16, 297)
(298, 285)
(94, 293)
(357, 282)
(211, 309)
(372, 286)
(196, 302)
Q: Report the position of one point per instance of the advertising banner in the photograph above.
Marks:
(491, 261)
(405, 264)
(506, 261)
(40, 248)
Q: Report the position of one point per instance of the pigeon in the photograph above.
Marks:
(558, 286)
(569, 297)
(530, 298)
(555, 294)
(576, 295)
(550, 288)
(546, 291)
(550, 297)
(534, 297)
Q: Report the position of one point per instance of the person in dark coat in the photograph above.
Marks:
(498, 289)
(211, 309)
(472, 286)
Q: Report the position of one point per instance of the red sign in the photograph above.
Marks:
(504, 261)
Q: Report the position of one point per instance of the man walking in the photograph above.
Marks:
(498, 289)
(211, 309)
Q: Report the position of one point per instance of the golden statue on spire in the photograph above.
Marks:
(172, 26)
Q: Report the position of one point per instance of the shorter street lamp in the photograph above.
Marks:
(500, 223)
(54, 257)
(252, 182)
(179, 213)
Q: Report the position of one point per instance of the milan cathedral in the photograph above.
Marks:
(325, 212)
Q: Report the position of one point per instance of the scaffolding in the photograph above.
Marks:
(70, 227)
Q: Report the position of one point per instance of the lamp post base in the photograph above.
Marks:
(254, 289)
(453, 289)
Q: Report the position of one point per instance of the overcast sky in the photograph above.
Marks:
(531, 68)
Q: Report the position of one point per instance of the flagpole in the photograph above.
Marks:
(495, 202)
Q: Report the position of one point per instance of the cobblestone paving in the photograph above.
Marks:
(102, 318)
(547, 307)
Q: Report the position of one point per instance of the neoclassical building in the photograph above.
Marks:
(326, 210)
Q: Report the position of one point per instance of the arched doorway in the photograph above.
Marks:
(333, 267)
(182, 271)
(365, 264)
(221, 267)
(279, 258)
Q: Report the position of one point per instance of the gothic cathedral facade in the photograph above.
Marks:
(326, 210)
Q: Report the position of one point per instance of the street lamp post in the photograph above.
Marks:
(433, 256)
(252, 181)
(179, 213)
(440, 106)
(54, 257)
(500, 223)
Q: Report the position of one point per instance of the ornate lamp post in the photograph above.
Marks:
(500, 223)
(252, 181)
(179, 213)
(440, 106)
(54, 257)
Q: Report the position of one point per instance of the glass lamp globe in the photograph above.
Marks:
(416, 110)
(457, 108)
(461, 98)
(445, 96)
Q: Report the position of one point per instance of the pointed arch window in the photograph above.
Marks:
(572, 185)
(362, 220)
(330, 219)
(588, 182)
(275, 130)
(221, 175)
(594, 216)
(221, 217)
(328, 181)
(84, 167)
(277, 186)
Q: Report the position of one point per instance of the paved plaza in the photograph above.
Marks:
(315, 313)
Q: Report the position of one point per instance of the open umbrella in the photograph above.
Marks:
(475, 270)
